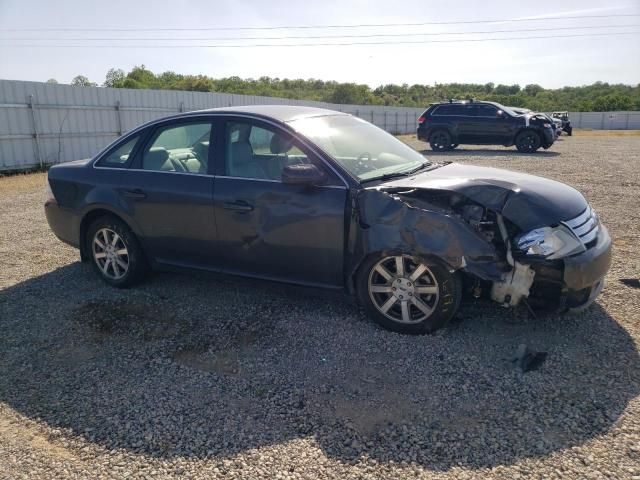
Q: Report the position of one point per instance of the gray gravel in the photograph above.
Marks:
(201, 377)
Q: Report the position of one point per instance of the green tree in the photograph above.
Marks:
(82, 81)
(348, 93)
(53, 81)
(612, 102)
(600, 95)
(114, 78)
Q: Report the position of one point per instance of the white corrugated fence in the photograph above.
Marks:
(42, 124)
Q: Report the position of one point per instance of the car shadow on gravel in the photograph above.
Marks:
(199, 368)
(487, 152)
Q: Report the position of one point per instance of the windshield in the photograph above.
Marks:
(363, 149)
(507, 110)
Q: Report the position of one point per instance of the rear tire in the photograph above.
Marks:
(416, 296)
(115, 253)
(528, 141)
(440, 141)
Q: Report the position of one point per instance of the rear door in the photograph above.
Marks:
(270, 229)
(170, 191)
(466, 122)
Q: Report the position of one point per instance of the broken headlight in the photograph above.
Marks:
(548, 242)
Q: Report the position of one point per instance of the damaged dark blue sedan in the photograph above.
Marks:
(321, 198)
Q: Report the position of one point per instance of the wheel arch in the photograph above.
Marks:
(444, 128)
(92, 214)
(525, 128)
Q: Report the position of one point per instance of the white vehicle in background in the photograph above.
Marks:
(556, 122)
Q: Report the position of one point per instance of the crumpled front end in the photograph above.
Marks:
(491, 236)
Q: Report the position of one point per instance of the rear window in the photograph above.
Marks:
(119, 156)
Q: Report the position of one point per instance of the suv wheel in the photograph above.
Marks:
(115, 252)
(406, 294)
(440, 140)
(528, 141)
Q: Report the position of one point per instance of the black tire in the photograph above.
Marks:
(528, 141)
(443, 304)
(440, 141)
(136, 263)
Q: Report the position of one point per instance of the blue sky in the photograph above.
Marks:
(550, 62)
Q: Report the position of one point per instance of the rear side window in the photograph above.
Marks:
(453, 109)
(118, 157)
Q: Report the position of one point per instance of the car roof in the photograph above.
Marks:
(468, 102)
(283, 113)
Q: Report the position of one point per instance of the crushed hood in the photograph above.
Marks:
(526, 200)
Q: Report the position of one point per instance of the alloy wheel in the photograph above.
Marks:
(403, 289)
(440, 140)
(527, 142)
(110, 253)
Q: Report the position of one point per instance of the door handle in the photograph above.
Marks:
(135, 194)
(238, 206)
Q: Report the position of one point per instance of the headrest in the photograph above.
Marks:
(280, 144)
(155, 158)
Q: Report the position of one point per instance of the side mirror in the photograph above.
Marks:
(500, 114)
(303, 174)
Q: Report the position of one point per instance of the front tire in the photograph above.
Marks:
(406, 294)
(440, 141)
(115, 252)
(528, 141)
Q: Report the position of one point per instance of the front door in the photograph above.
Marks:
(488, 125)
(269, 229)
(171, 194)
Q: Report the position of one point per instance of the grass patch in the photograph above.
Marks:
(22, 183)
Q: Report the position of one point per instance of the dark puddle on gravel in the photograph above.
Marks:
(102, 320)
(221, 370)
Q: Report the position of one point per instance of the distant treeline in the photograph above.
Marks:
(599, 97)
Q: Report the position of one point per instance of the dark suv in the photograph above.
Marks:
(446, 125)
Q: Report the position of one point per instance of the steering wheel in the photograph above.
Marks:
(363, 159)
(178, 165)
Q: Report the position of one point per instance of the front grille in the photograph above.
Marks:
(585, 226)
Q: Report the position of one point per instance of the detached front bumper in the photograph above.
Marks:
(584, 273)
(572, 283)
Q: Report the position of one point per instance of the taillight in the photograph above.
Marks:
(422, 119)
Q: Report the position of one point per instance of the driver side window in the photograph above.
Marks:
(259, 153)
(179, 148)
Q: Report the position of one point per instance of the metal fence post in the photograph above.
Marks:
(385, 121)
(181, 107)
(406, 122)
(118, 118)
(602, 122)
(357, 112)
(36, 139)
(626, 123)
(397, 131)
(372, 116)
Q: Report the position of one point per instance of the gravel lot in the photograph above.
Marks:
(201, 377)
